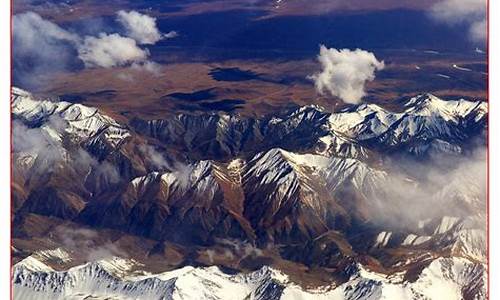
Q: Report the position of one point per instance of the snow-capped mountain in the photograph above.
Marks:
(341, 196)
(426, 123)
(117, 278)
(84, 124)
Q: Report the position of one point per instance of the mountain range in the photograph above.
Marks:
(365, 202)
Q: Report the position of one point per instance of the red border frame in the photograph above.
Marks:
(488, 265)
(11, 286)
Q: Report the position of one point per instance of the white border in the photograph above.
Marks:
(5, 149)
(494, 147)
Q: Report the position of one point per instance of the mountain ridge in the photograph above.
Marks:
(309, 187)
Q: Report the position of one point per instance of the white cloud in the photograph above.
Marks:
(46, 146)
(451, 185)
(345, 73)
(37, 142)
(125, 76)
(87, 243)
(172, 34)
(140, 27)
(35, 29)
(40, 46)
(478, 31)
(470, 12)
(148, 66)
(155, 157)
(110, 51)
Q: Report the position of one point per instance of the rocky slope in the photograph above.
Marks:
(345, 194)
(113, 279)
